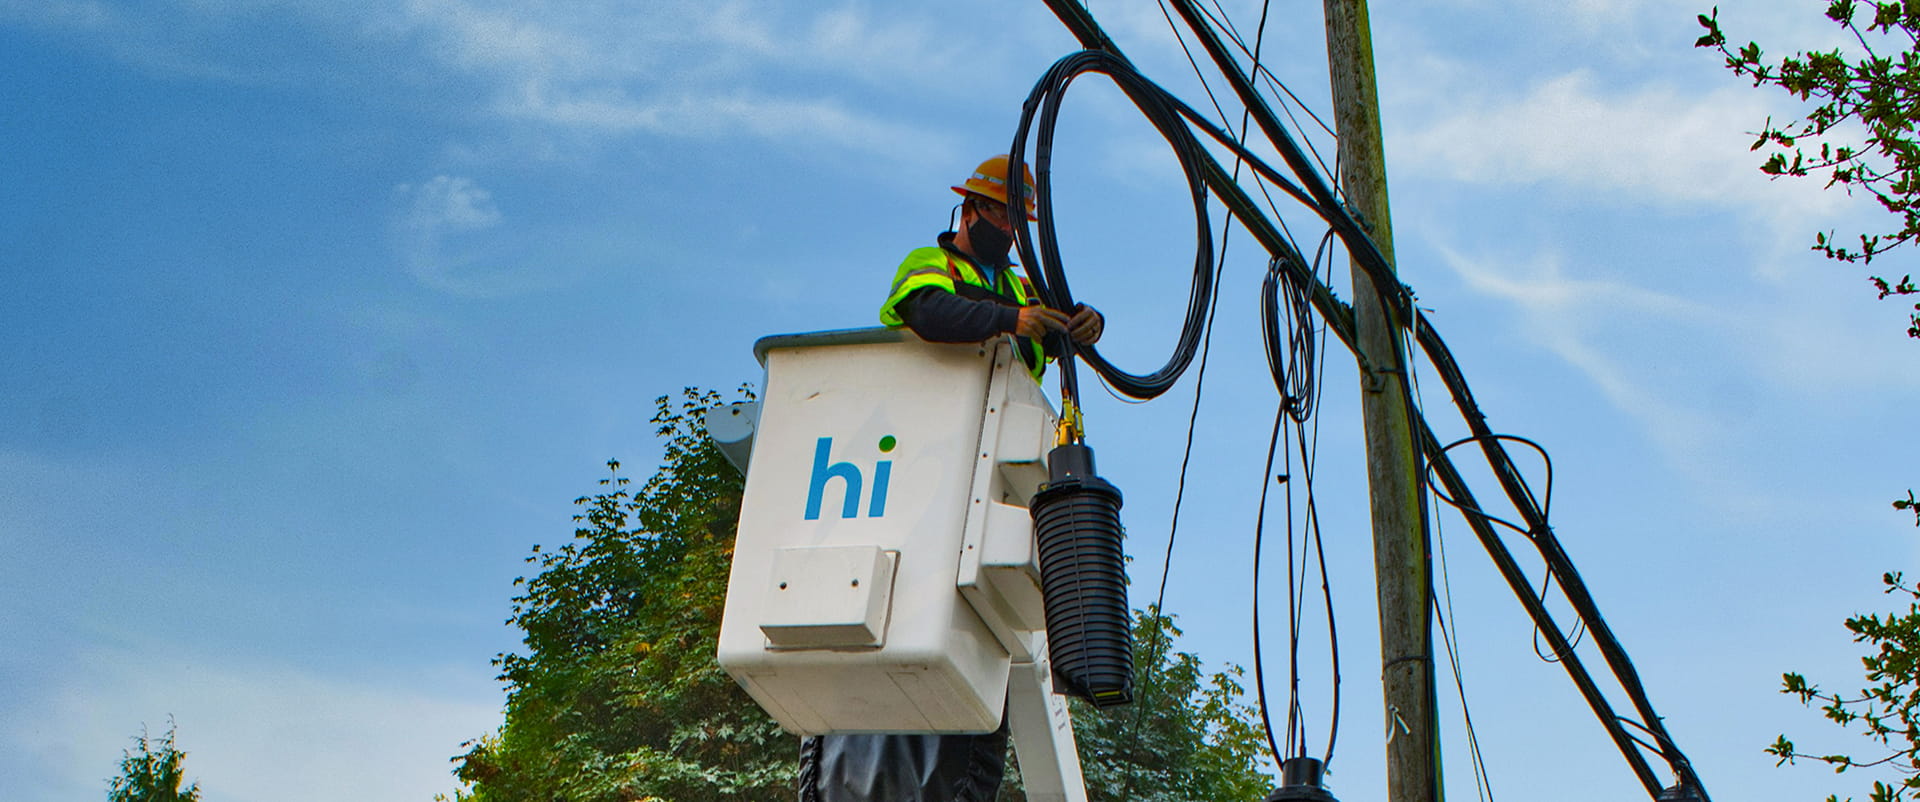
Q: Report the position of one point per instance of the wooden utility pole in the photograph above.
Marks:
(1399, 543)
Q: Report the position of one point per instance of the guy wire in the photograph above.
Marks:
(1483, 786)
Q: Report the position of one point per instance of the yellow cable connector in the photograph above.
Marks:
(1070, 430)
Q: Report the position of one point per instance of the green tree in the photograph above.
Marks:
(618, 698)
(1887, 710)
(1866, 107)
(1863, 123)
(1188, 735)
(152, 772)
(1859, 136)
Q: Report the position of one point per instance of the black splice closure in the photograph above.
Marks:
(1083, 578)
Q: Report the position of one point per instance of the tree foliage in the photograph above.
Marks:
(1187, 736)
(1887, 710)
(617, 696)
(152, 772)
(1866, 107)
(1860, 135)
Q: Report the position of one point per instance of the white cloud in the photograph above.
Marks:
(255, 732)
(1648, 145)
(893, 51)
(449, 202)
(663, 68)
(776, 118)
(1652, 143)
(1567, 316)
(471, 37)
(439, 216)
(1697, 375)
(694, 70)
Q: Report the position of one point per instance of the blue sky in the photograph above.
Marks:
(318, 315)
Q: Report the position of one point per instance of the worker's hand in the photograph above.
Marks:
(1036, 321)
(1085, 325)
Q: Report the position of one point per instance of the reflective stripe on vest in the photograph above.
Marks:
(935, 267)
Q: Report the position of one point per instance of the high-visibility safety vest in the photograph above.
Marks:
(940, 268)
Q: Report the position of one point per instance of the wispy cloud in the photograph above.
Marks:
(433, 222)
(668, 68)
(691, 70)
(1652, 143)
(1571, 318)
(770, 117)
(449, 202)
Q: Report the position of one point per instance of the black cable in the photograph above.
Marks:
(1258, 70)
(1296, 717)
(1166, 567)
(1573, 637)
(1259, 537)
(1294, 404)
(1290, 365)
(1545, 504)
(1397, 302)
(1520, 585)
(1326, 593)
(1195, 64)
(1293, 375)
(1041, 248)
(1179, 493)
(1245, 114)
(1051, 281)
(1483, 785)
(1309, 458)
(1573, 586)
(1456, 504)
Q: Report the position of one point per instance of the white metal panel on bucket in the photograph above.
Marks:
(828, 596)
(870, 439)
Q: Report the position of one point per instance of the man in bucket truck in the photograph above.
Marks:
(963, 289)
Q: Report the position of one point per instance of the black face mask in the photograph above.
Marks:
(988, 243)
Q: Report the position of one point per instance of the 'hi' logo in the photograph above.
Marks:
(850, 508)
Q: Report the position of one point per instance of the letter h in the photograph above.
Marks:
(817, 485)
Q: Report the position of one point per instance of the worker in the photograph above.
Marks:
(966, 288)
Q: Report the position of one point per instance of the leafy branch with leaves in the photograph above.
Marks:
(1860, 135)
(1868, 108)
(1885, 711)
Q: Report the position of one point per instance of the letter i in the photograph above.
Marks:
(882, 472)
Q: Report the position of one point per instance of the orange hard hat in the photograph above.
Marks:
(989, 180)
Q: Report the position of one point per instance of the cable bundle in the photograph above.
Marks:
(1050, 281)
(1177, 122)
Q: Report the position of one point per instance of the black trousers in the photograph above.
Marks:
(903, 768)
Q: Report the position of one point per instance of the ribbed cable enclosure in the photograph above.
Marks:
(1083, 577)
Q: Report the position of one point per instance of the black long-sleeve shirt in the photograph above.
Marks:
(939, 316)
(946, 317)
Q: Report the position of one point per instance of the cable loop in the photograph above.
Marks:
(1051, 280)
